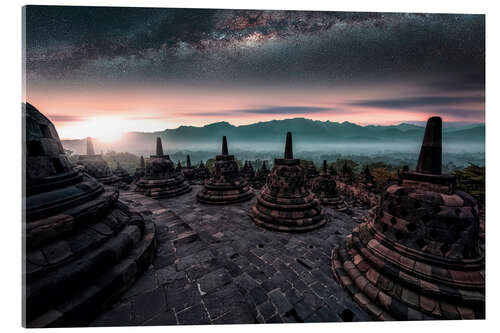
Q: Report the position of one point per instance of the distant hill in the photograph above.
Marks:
(305, 131)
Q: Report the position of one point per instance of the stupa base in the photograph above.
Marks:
(162, 189)
(387, 291)
(101, 251)
(227, 197)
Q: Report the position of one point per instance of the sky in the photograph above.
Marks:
(102, 71)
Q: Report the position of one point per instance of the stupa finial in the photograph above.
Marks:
(288, 146)
(430, 158)
(188, 161)
(142, 162)
(324, 166)
(224, 146)
(159, 147)
(90, 146)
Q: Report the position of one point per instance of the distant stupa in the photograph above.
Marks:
(97, 167)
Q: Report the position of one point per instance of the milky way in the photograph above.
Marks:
(116, 44)
(428, 61)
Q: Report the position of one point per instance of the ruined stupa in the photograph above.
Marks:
(418, 257)
(189, 171)
(96, 166)
(82, 246)
(247, 172)
(160, 179)
(226, 185)
(261, 176)
(324, 188)
(122, 174)
(285, 203)
(179, 166)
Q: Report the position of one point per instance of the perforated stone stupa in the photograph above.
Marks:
(261, 176)
(97, 167)
(285, 203)
(418, 257)
(311, 173)
(189, 171)
(122, 174)
(83, 247)
(247, 172)
(324, 188)
(202, 173)
(161, 179)
(226, 185)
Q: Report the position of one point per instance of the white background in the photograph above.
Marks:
(10, 159)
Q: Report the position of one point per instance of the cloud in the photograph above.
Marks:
(285, 110)
(416, 102)
(271, 110)
(60, 118)
(466, 82)
(460, 113)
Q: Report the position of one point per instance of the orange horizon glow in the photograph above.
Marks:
(107, 115)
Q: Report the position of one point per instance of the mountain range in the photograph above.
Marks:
(305, 131)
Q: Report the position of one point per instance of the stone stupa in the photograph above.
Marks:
(324, 188)
(226, 185)
(189, 171)
(161, 179)
(261, 176)
(311, 173)
(83, 247)
(96, 166)
(285, 203)
(122, 174)
(139, 172)
(418, 257)
(202, 173)
(247, 172)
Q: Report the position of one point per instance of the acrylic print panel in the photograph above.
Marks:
(199, 166)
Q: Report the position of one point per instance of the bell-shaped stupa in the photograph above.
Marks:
(161, 179)
(97, 167)
(261, 176)
(189, 171)
(82, 246)
(285, 203)
(324, 188)
(226, 185)
(311, 173)
(202, 173)
(247, 172)
(122, 174)
(418, 257)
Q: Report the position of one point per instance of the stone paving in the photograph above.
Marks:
(215, 266)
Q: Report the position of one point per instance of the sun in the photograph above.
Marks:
(106, 129)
